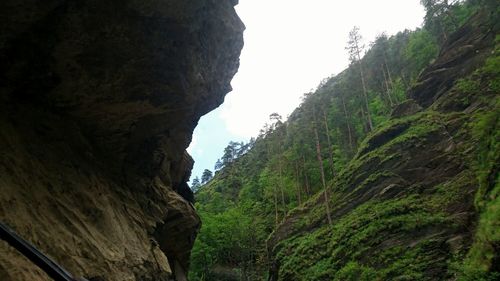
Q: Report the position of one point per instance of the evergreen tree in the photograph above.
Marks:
(322, 170)
(230, 153)
(218, 165)
(438, 18)
(286, 165)
(206, 176)
(195, 185)
(355, 48)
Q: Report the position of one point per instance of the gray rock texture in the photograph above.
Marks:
(98, 102)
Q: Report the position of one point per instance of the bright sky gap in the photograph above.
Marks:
(290, 46)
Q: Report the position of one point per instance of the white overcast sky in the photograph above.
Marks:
(290, 46)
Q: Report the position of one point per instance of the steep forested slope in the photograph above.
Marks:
(413, 199)
(403, 208)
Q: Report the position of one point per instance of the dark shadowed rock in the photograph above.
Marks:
(99, 100)
(462, 53)
(406, 108)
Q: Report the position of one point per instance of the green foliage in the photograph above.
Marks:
(444, 17)
(380, 110)
(355, 247)
(257, 184)
(398, 90)
(353, 271)
(422, 48)
(206, 176)
(196, 184)
(228, 238)
(489, 74)
(357, 235)
(467, 85)
(491, 69)
(483, 253)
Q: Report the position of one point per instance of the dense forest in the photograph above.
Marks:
(302, 163)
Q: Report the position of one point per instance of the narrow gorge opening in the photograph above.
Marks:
(204, 140)
(370, 174)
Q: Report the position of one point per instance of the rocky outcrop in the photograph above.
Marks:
(465, 50)
(98, 103)
(403, 209)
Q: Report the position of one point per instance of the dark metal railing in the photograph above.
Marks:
(52, 269)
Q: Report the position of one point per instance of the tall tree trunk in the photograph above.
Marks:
(365, 94)
(388, 92)
(387, 68)
(297, 177)
(276, 206)
(322, 171)
(363, 117)
(443, 31)
(450, 14)
(308, 191)
(281, 186)
(347, 119)
(404, 79)
(355, 57)
(275, 192)
(329, 142)
(280, 173)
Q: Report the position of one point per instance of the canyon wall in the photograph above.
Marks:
(98, 102)
(417, 201)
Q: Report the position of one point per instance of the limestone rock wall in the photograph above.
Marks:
(98, 101)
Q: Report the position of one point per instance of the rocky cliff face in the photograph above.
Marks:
(404, 207)
(98, 103)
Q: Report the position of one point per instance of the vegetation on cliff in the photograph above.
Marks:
(363, 183)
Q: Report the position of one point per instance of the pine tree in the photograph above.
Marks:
(329, 143)
(206, 176)
(276, 123)
(438, 18)
(355, 49)
(218, 165)
(195, 185)
(322, 170)
(348, 123)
